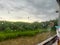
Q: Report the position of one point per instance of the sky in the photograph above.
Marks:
(28, 10)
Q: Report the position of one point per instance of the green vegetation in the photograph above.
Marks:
(8, 34)
(9, 30)
(24, 26)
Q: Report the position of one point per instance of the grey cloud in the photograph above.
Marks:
(39, 8)
(36, 5)
(42, 5)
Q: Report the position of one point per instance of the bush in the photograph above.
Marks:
(8, 30)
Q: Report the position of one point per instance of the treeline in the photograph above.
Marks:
(23, 26)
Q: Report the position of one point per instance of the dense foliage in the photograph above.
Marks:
(23, 26)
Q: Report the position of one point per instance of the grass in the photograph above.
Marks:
(34, 40)
(30, 37)
(4, 35)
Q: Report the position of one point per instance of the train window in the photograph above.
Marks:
(29, 22)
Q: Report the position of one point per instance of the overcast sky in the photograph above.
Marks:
(28, 10)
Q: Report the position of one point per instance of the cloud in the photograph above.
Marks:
(35, 9)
